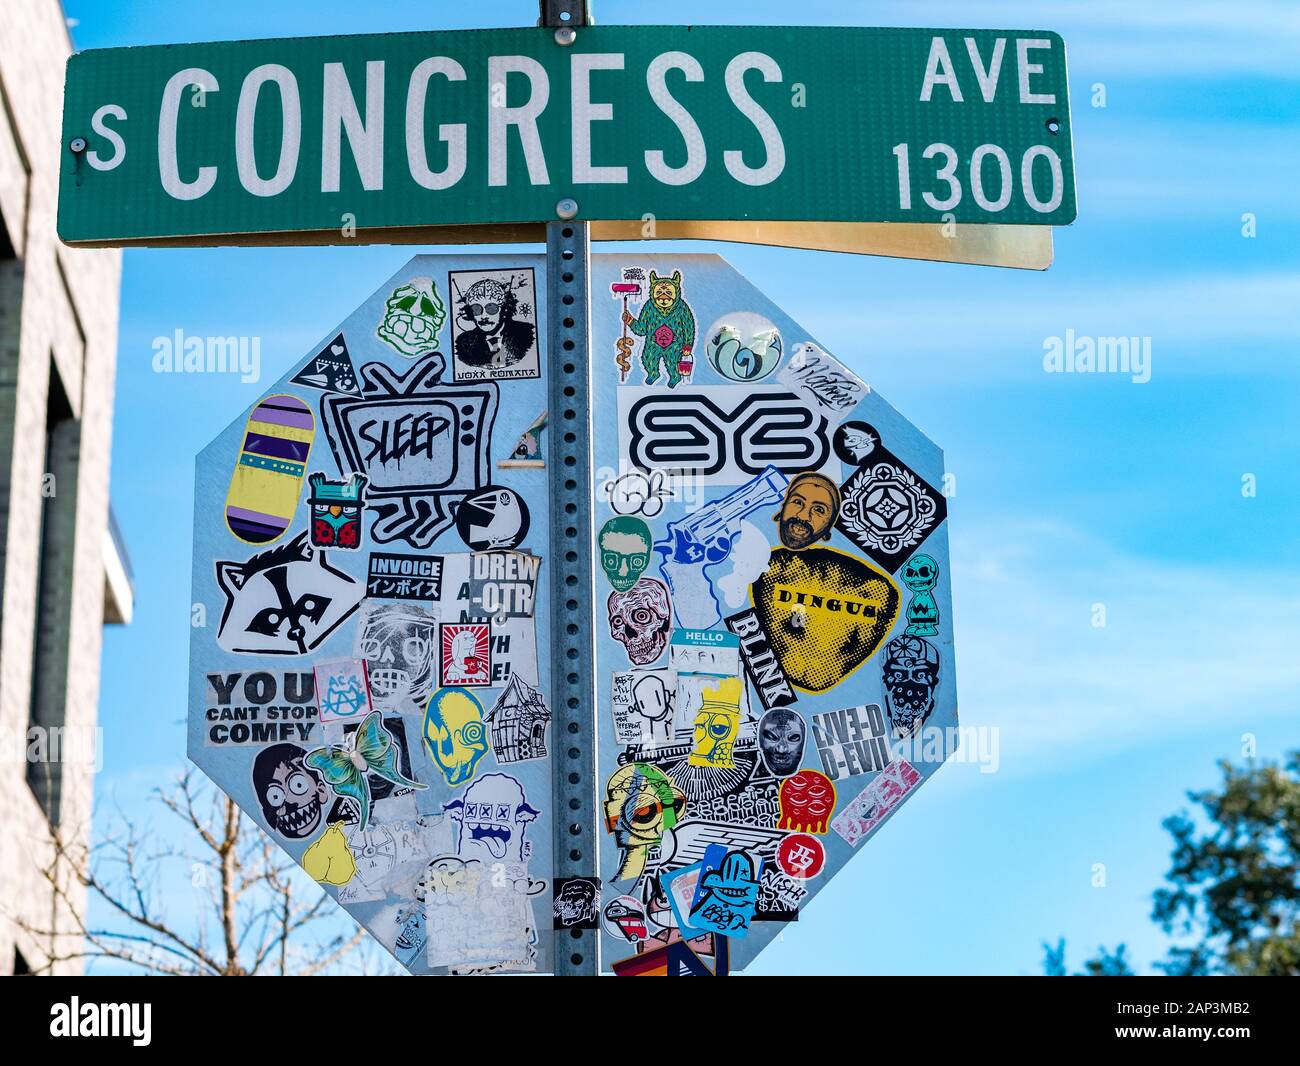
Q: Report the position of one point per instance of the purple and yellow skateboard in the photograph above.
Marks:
(268, 478)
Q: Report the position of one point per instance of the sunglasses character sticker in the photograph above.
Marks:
(495, 326)
(640, 804)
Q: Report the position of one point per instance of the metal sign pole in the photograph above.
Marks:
(573, 646)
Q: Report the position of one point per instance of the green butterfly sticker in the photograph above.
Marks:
(373, 751)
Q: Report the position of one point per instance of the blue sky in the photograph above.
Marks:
(1072, 490)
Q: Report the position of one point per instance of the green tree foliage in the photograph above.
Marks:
(1233, 887)
(1235, 879)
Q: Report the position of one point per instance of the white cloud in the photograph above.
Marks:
(1185, 649)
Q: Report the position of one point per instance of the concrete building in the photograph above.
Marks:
(63, 572)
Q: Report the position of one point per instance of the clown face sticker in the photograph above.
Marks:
(807, 800)
(293, 797)
(467, 654)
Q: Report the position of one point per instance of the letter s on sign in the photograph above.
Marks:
(109, 134)
(772, 143)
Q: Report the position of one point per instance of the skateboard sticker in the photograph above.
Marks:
(269, 473)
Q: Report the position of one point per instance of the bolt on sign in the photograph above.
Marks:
(774, 649)
(364, 137)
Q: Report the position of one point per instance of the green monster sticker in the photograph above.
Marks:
(668, 325)
(413, 315)
(624, 550)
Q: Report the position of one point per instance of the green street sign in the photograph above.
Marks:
(323, 139)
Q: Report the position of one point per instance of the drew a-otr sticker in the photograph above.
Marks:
(423, 445)
(494, 329)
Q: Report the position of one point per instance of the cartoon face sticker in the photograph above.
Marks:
(920, 573)
(413, 315)
(640, 804)
(781, 736)
(493, 816)
(492, 519)
(454, 734)
(716, 725)
(624, 550)
(727, 896)
(283, 601)
(809, 511)
(807, 800)
(576, 903)
(336, 511)
(398, 643)
(910, 674)
(293, 797)
(641, 620)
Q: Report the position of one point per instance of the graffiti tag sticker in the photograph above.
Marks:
(874, 803)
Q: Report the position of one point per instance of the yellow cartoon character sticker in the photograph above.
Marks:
(716, 724)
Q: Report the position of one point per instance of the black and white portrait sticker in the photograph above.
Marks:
(494, 325)
(577, 903)
(423, 445)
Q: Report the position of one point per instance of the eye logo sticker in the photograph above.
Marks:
(888, 510)
(721, 434)
(494, 331)
(423, 446)
(268, 476)
(825, 613)
(283, 601)
(330, 370)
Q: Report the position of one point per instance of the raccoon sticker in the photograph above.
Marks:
(283, 601)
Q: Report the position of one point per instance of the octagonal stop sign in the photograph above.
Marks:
(772, 652)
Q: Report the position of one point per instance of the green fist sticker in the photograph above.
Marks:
(624, 550)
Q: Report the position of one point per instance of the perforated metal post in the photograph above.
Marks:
(573, 647)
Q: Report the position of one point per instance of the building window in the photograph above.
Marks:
(54, 575)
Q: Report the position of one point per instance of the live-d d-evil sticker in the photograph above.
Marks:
(774, 642)
(369, 655)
